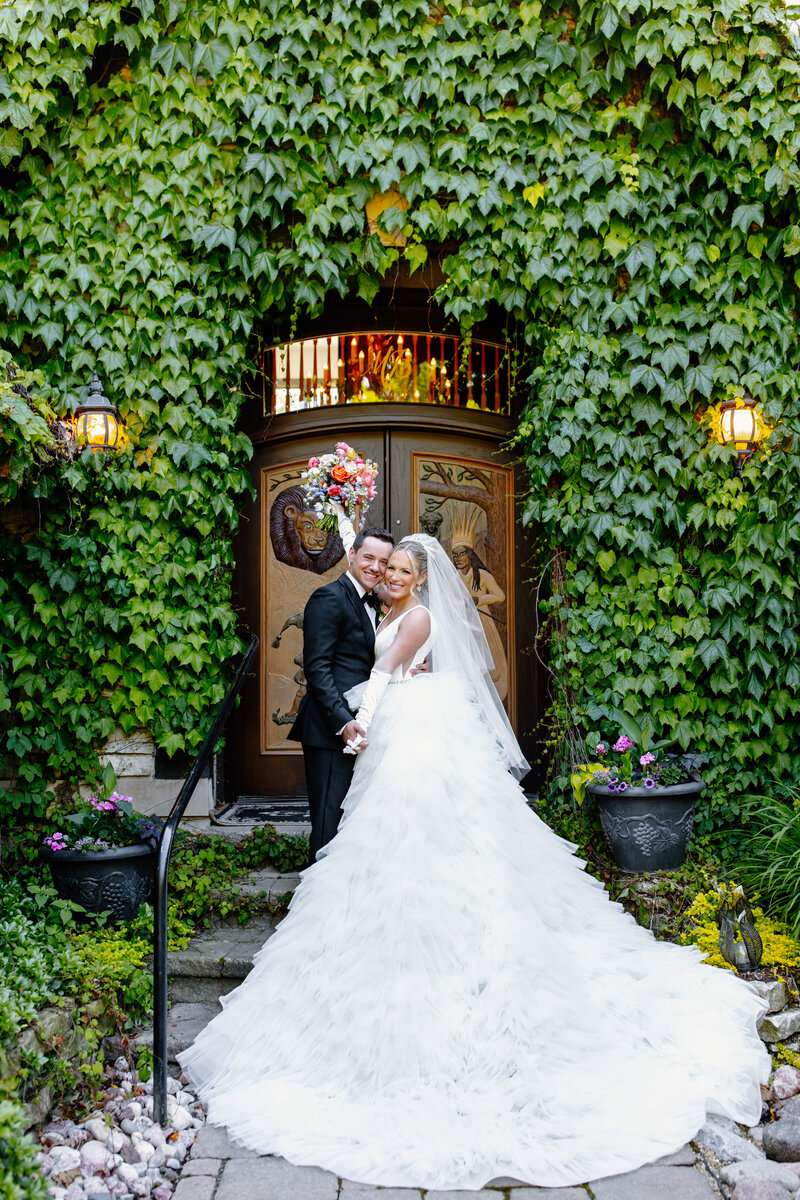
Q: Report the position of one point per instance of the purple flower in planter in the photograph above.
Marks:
(649, 782)
(622, 786)
(56, 842)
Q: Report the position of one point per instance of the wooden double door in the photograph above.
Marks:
(443, 473)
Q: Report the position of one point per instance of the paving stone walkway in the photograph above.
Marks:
(220, 1170)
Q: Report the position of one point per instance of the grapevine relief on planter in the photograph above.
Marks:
(651, 834)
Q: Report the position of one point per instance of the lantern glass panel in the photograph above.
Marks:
(99, 430)
(744, 425)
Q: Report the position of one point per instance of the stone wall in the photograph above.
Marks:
(57, 1031)
(133, 757)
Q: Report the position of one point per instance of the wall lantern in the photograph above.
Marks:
(739, 423)
(97, 422)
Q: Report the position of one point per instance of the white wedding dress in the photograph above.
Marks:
(451, 998)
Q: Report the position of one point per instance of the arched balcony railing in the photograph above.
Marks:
(402, 368)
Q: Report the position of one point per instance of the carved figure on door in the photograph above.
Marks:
(296, 536)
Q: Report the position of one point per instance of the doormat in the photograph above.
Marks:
(261, 810)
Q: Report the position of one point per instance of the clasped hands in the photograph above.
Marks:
(355, 738)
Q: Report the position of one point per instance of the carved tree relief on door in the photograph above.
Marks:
(468, 507)
(299, 557)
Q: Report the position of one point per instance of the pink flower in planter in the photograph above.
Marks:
(622, 744)
(647, 758)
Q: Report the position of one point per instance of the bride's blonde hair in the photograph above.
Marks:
(419, 561)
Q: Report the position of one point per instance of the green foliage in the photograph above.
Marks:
(781, 954)
(20, 1175)
(27, 427)
(770, 853)
(31, 965)
(619, 178)
(203, 871)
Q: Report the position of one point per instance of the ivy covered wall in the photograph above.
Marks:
(619, 177)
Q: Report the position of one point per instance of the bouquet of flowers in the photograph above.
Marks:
(343, 476)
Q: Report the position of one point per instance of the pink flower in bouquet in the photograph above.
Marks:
(345, 476)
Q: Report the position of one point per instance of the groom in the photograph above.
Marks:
(338, 652)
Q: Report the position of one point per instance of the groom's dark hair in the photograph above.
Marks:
(382, 535)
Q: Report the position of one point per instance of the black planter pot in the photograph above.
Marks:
(118, 880)
(647, 829)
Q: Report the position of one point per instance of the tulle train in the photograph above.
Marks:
(451, 998)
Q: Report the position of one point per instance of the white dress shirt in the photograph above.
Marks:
(362, 591)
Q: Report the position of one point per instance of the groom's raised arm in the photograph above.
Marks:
(320, 639)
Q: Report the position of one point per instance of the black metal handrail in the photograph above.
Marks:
(164, 851)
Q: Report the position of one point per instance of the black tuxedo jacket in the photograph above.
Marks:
(338, 653)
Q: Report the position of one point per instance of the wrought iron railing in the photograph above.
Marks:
(160, 912)
(406, 368)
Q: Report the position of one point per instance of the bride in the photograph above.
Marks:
(450, 997)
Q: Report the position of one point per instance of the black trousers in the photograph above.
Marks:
(328, 777)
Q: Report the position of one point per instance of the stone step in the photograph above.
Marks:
(216, 962)
(184, 1022)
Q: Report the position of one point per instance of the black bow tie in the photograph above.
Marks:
(372, 601)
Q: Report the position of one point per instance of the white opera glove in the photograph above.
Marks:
(346, 529)
(376, 686)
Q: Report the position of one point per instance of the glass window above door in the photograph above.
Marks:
(400, 368)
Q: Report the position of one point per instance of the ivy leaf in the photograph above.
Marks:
(643, 254)
(700, 379)
(416, 254)
(10, 144)
(744, 215)
(169, 55)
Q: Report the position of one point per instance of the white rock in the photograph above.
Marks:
(95, 1156)
(155, 1135)
(724, 1139)
(63, 1158)
(780, 1026)
(132, 1110)
(786, 1082)
(76, 1190)
(144, 1149)
(185, 1098)
(127, 1173)
(97, 1128)
(142, 1187)
(773, 991)
(181, 1118)
(173, 1087)
(116, 1140)
(121, 1064)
